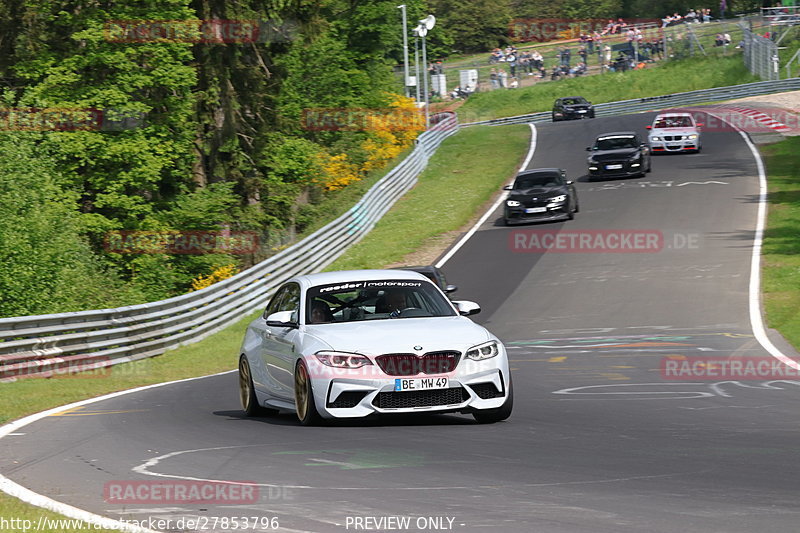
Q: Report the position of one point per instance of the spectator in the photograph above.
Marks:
(583, 53)
(494, 80)
(511, 59)
(502, 76)
(514, 83)
(566, 57)
(590, 43)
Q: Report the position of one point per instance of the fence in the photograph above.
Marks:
(69, 342)
(760, 55)
(660, 102)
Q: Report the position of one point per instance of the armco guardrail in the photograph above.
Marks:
(660, 102)
(69, 342)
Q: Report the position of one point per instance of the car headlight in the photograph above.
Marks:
(693, 136)
(655, 138)
(483, 351)
(636, 156)
(512, 203)
(558, 199)
(342, 359)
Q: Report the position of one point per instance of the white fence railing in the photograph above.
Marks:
(69, 342)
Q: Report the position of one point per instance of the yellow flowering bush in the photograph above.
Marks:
(218, 274)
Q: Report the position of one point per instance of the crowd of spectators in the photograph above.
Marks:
(693, 16)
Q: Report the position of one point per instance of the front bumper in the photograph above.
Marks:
(575, 115)
(518, 215)
(688, 145)
(626, 169)
(477, 386)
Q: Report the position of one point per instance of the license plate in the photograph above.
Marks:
(410, 384)
(536, 210)
(613, 167)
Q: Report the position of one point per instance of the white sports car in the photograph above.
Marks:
(674, 132)
(356, 343)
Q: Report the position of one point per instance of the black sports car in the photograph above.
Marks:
(435, 274)
(572, 108)
(540, 194)
(618, 154)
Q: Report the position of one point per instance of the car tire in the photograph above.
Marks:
(570, 214)
(304, 396)
(649, 166)
(577, 207)
(247, 392)
(491, 416)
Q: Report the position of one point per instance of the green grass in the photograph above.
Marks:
(459, 179)
(781, 252)
(671, 77)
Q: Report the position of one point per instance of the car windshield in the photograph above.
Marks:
(673, 122)
(538, 181)
(573, 101)
(374, 300)
(616, 142)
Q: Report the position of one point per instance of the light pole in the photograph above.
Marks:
(402, 7)
(424, 25)
(416, 61)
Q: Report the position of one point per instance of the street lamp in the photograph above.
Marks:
(416, 60)
(422, 30)
(402, 7)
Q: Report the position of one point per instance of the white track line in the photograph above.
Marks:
(28, 496)
(756, 319)
(450, 253)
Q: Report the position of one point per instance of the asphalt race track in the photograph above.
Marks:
(600, 440)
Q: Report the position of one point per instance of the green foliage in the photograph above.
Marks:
(45, 264)
(473, 26)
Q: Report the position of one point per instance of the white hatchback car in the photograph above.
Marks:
(356, 343)
(674, 132)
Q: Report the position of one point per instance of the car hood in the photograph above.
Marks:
(572, 107)
(517, 194)
(401, 335)
(604, 155)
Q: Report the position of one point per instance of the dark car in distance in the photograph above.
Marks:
(542, 194)
(435, 274)
(618, 154)
(572, 108)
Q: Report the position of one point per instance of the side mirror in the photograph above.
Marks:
(507, 188)
(450, 288)
(648, 127)
(467, 308)
(282, 319)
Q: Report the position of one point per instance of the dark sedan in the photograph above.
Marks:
(541, 194)
(618, 154)
(435, 274)
(572, 108)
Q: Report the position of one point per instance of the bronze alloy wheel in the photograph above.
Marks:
(304, 396)
(245, 385)
(301, 391)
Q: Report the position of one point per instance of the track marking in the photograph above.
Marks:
(756, 320)
(493, 208)
(28, 496)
